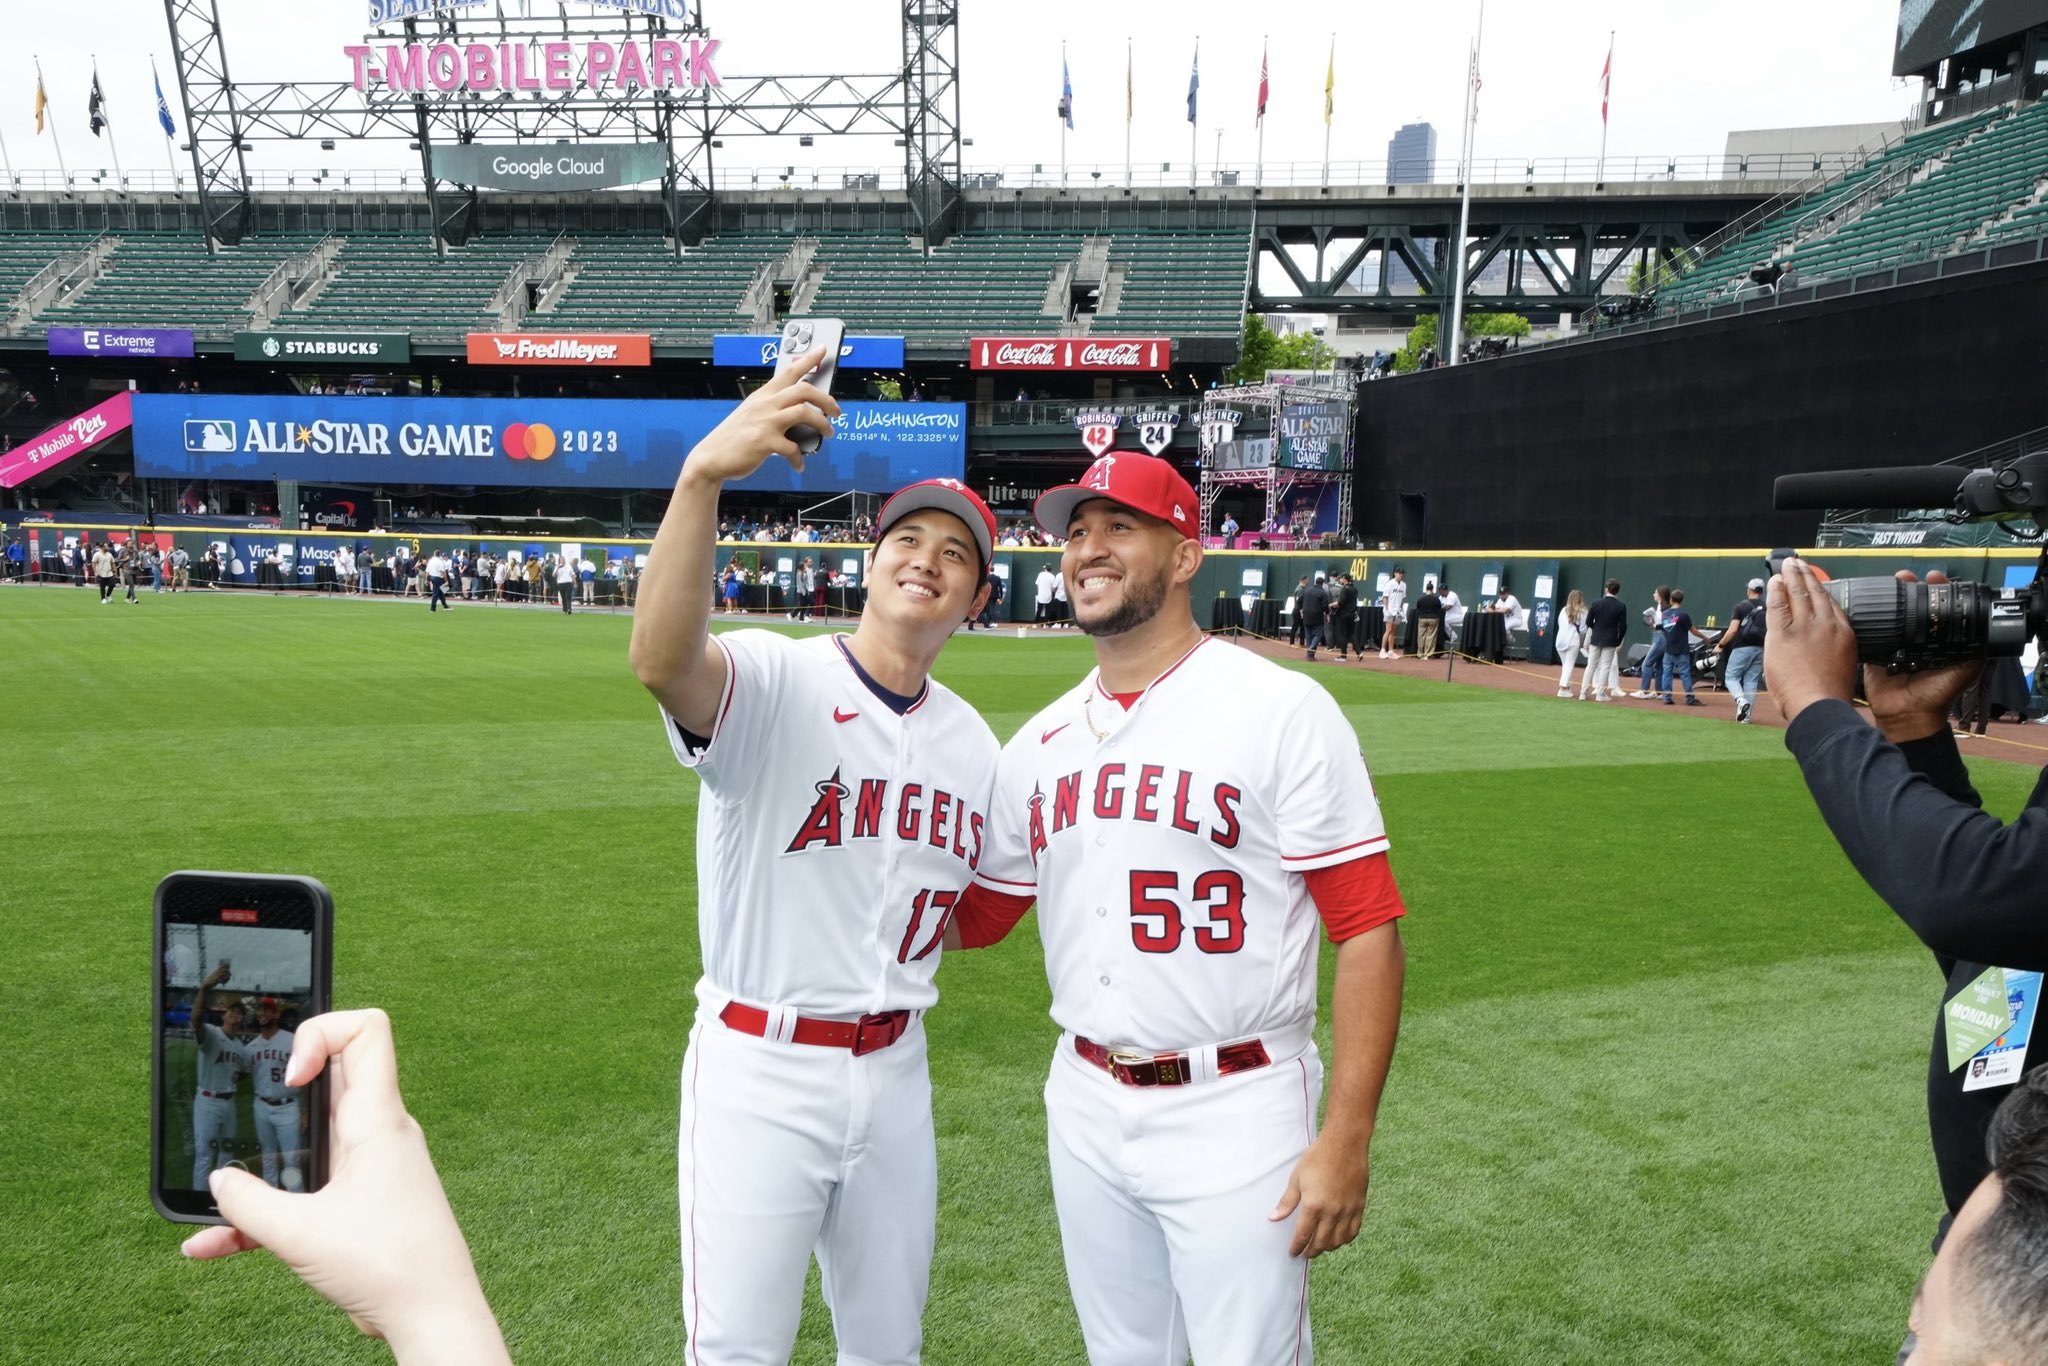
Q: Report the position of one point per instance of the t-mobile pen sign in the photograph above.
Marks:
(145, 342)
(60, 443)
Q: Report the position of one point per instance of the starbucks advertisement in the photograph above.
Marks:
(324, 348)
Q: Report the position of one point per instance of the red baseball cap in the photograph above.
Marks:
(946, 495)
(1144, 483)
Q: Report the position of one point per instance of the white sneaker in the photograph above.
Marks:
(1639, 693)
(1565, 692)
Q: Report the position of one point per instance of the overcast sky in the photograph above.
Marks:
(1685, 74)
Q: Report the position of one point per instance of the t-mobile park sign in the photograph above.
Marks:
(416, 68)
(1070, 353)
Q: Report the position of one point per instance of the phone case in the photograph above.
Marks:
(800, 335)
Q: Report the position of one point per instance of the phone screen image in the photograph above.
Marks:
(241, 963)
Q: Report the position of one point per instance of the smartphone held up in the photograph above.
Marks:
(241, 959)
(801, 336)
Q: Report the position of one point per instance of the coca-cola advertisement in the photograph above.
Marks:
(1070, 353)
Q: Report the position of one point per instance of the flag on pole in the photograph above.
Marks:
(1263, 87)
(1194, 81)
(1130, 101)
(96, 105)
(42, 100)
(1330, 85)
(1606, 81)
(1066, 93)
(163, 110)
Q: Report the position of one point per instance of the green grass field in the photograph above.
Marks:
(1658, 1096)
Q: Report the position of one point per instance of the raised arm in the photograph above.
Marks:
(672, 651)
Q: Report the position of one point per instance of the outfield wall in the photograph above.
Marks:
(1674, 435)
(1714, 580)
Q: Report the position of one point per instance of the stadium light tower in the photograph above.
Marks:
(918, 103)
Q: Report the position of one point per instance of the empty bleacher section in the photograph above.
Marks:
(397, 283)
(639, 284)
(1955, 186)
(169, 280)
(1181, 284)
(1142, 281)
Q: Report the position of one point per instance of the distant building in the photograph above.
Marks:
(1411, 155)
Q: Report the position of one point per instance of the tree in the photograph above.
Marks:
(1669, 270)
(1262, 349)
(1424, 333)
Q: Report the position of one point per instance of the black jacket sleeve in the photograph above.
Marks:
(1914, 827)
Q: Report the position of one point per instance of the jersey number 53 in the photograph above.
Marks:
(1157, 919)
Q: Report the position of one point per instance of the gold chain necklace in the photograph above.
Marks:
(1088, 715)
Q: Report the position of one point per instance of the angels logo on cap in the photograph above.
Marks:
(1143, 483)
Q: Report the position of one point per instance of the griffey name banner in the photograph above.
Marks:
(1070, 353)
(560, 348)
(516, 166)
(324, 348)
(145, 342)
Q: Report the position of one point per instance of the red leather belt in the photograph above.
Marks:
(1168, 1069)
(868, 1034)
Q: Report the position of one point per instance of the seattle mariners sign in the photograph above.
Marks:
(324, 348)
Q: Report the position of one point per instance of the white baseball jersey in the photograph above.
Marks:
(220, 1058)
(833, 835)
(1166, 845)
(267, 1059)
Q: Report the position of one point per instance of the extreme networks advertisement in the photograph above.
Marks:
(550, 443)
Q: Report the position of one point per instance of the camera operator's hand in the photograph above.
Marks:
(1809, 648)
(1912, 706)
(379, 1239)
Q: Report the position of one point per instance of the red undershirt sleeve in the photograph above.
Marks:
(983, 916)
(1356, 896)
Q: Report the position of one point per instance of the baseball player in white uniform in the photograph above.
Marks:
(1185, 818)
(842, 809)
(221, 1057)
(280, 1129)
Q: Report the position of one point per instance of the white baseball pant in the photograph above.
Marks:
(789, 1150)
(1163, 1194)
(213, 1136)
(277, 1130)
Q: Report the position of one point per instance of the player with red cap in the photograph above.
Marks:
(1190, 819)
(842, 806)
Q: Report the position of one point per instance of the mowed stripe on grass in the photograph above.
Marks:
(1658, 1096)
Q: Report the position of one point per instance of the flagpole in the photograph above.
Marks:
(1326, 110)
(1195, 119)
(1259, 156)
(6, 161)
(170, 152)
(1127, 113)
(113, 147)
(1606, 83)
(1457, 335)
(1065, 116)
(56, 140)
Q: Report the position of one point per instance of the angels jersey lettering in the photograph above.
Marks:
(267, 1060)
(866, 824)
(220, 1058)
(1166, 846)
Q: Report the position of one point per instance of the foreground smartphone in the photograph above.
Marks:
(240, 960)
(799, 336)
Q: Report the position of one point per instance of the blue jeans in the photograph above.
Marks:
(1648, 681)
(1745, 672)
(1680, 664)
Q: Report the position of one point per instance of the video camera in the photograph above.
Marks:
(1912, 626)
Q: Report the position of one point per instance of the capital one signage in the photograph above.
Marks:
(1069, 353)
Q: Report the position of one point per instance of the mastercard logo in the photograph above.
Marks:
(528, 440)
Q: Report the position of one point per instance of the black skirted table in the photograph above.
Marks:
(1484, 635)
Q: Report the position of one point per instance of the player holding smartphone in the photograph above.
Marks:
(264, 935)
(843, 799)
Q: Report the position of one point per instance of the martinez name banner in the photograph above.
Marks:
(528, 166)
(602, 443)
(324, 348)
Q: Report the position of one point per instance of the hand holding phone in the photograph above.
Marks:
(222, 1036)
(801, 336)
(379, 1240)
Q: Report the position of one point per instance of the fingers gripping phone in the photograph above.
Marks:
(240, 960)
(800, 336)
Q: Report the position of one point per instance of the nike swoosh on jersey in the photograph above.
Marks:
(843, 716)
(1046, 738)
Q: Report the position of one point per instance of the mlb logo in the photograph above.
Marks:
(209, 434)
